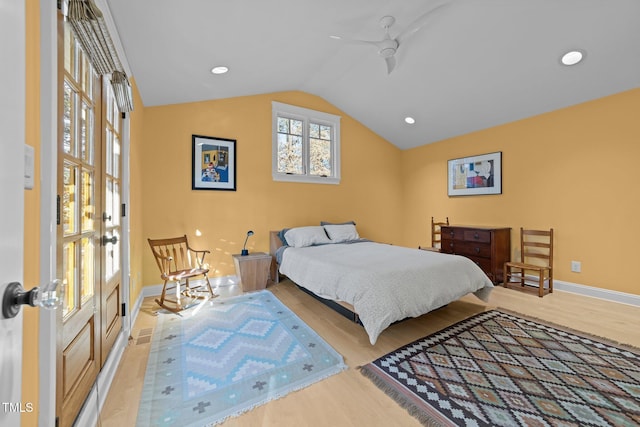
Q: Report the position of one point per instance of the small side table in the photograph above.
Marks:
(253, 270)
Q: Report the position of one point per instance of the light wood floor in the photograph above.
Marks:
(349, 399)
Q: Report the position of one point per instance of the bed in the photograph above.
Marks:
(379, 283)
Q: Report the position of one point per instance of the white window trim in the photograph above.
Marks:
(306, 115)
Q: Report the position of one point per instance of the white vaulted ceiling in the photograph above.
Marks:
(473, 65)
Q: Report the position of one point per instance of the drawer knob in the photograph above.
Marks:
(477, 250)
(476, 236)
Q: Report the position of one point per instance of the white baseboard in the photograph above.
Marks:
(584, 290)
(155, 290)
(590, 291)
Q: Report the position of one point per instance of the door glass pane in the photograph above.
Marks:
(108, 200)
(87, 254)
(87, 77)
(70, 274)
(69, 51)
(109, 149)
(86, 133)
(88, 207)
(113, 257)
(116, 155)
(109, 104)
(69, 108)
(116, 204)
(69, 205)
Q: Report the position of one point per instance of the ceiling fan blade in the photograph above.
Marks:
(391, 63)
(418, 24)
(356, 41)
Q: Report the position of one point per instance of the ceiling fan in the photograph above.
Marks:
(388, 46)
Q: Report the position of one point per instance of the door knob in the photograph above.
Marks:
(106, 239)
(15, 296)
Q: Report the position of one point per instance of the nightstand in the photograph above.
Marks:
(253, 270)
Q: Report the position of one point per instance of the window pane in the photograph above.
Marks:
(314, 130)
(296, 127)
(290, 154)
(325, 133)
(70, 269)
(320, 157)
(283, 125)
(87, 256)
(69, 205)
(88, 208)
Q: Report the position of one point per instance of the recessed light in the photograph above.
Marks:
(219, 70)
(572, 57)
(409, 120)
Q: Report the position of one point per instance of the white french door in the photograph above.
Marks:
(88, 246)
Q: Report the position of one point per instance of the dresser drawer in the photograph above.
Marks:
(477, 236)
(472, 249)
(452, 233)
(446, 246)
(484, 264)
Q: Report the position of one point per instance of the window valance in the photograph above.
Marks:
(88, 23)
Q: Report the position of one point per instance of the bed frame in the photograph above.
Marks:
(341, 307)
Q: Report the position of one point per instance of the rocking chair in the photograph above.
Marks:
(178, 264)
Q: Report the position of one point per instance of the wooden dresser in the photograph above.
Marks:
(489, 247)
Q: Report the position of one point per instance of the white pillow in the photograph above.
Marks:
(301, 237)
(342, 232)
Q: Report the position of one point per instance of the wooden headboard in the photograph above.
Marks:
(274, 244)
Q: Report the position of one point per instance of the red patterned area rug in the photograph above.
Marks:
(502, 369)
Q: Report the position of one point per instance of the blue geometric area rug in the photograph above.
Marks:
(225, 357)
(500, 369)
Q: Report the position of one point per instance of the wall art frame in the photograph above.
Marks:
(475, 175)
(213, 163)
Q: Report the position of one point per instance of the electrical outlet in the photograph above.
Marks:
(576, 266)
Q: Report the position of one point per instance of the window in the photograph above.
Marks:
(306, 145)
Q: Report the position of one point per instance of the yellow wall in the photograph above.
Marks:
(573, 169)
(369, 192)
(31, 278)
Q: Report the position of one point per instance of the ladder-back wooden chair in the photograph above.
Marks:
(436, 235)
(536, 253)
(178, 264)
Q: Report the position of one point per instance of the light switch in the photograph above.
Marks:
(29, 160)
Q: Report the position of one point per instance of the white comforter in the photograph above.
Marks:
(384, 283)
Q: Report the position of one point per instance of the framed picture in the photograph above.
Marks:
(213, 163)
(475, 175)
